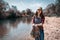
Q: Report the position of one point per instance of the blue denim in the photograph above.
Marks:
(41, 35)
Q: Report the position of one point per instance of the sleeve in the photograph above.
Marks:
(43, 19)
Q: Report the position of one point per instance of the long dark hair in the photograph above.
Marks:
(41, 15)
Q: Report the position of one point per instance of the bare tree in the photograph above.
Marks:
(3, 7)
(58, 7)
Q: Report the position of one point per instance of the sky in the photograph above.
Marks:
(31, 4)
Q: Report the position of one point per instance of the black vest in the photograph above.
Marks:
(37, 20)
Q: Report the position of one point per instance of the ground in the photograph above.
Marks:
(52, 28)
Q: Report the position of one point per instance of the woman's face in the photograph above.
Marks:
(39, 11)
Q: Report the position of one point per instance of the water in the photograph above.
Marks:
(16, 29)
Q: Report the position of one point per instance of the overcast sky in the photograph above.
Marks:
(32, 4)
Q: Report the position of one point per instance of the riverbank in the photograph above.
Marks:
(52, 28)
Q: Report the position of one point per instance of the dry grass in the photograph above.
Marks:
(52, 28)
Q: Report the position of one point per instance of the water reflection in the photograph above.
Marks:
(14, 22)
(15, 29)
(26, 20)
(3, 30)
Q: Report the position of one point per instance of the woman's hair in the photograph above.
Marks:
(41, 14)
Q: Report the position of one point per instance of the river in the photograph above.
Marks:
(16, 29)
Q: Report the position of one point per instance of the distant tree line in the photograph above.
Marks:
(53, 9)
(12, 12)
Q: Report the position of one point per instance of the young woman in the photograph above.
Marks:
(38, 21)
